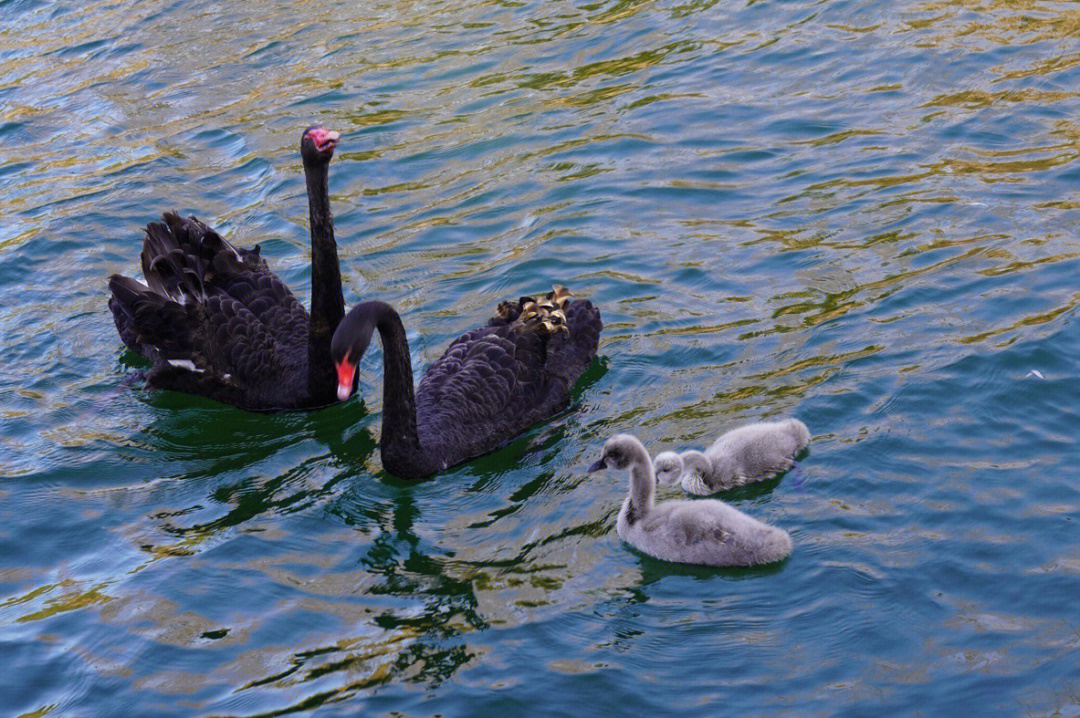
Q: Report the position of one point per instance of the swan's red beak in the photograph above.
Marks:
(346, 372)
(325, 140)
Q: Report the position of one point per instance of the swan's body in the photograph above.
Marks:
(490, 385)
(741, 456)
(707, 532)
(215, 321)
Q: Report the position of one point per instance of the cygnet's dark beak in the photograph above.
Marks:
(597, 466)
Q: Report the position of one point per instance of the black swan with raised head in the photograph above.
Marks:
(216, 322)
(490, 385)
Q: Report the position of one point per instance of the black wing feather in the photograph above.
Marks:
(216, 306)
(495, 381)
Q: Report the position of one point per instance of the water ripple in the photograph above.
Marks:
(860, 214)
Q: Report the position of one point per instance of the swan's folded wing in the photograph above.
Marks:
(214, 345)
(488, 383)
(239, 343)
(696, 522)
(473, 381)
(187, 261)
(215, 337)
(266, 297)
(147, 321)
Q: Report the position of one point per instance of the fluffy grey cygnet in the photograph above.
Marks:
(709, 533)
(739, 457)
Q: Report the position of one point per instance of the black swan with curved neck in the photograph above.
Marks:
(490, 385)
(216, 322)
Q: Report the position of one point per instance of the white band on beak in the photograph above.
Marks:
(343, 392)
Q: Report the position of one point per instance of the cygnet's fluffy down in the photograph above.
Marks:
(709, 533)
(739, 457)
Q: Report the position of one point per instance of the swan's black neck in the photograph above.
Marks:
(402, 453)
(327, 303)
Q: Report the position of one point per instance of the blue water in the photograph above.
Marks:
(861, 214)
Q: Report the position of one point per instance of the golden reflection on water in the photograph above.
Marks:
(759, 238)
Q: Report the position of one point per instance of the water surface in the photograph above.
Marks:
(860, 214)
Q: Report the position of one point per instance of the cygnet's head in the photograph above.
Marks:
(668, 466)
(620, 451)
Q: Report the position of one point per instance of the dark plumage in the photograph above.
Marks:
(215, 321)
(490, 385)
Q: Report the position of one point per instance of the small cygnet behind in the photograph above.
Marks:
(707, 532)
(739, 457)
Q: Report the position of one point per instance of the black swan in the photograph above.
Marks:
(707, 532)
(490, 385)
(215, 321)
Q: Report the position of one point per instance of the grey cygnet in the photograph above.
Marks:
(739, 457)
(706, 532)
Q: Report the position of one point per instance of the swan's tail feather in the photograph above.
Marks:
(172, 261)
(125, 293)
(799, 432)
(149, 323)
(182, 258)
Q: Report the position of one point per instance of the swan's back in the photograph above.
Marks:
(705, 532)
(494, 382)
(756, 451)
